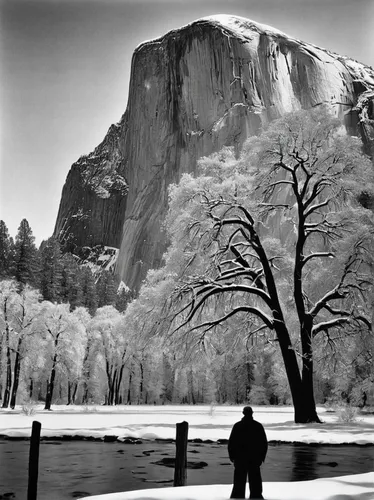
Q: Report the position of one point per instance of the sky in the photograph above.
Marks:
(65, 70)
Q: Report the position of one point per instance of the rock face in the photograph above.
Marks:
(209, 84)
(93, 202)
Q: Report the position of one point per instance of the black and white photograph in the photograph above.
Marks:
(187, 249)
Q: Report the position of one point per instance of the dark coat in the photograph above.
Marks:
(248, 442)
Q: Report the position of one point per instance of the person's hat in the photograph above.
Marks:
(247, 410)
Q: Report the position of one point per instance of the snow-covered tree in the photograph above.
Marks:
(110, 346)
(18, 319)
(261, 233)
(64, 343)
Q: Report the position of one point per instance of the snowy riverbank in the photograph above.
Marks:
(206, 423)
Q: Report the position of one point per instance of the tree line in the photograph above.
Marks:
(54, 354)
(59, 276)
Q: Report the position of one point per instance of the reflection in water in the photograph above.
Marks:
(72, 469)
(304, 462)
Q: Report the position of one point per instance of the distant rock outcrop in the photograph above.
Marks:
(93, 201)
(209, 84)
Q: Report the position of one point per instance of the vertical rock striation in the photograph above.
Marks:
(209, 84)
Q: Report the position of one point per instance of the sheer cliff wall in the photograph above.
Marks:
(212, 83)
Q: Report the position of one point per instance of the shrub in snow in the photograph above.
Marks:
(211, 409)
(89, 409)
(28, 408)
(347, 413)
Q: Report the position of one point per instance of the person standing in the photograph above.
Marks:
(247, 449)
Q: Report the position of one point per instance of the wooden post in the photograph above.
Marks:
(180, 471)
(34, 461)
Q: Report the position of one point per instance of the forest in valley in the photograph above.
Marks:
(265, 295)
(69, 337)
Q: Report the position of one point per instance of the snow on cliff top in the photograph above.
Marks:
(244, 28)
(241, 25)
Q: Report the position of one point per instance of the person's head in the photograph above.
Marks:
(247, 411)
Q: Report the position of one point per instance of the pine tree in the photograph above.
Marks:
(70, 287)
(123, 298)
(51, 266)
(25, 256)
(106, 289)
(89, 296)
(6, 247)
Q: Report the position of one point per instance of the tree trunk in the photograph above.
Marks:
(302, 392)
(113, 387)
(129, 389)
(31, 388)
(117, 397)
(190, 380)
(85, 394)
(309, 405)
(17, 369)
(51, 385)
(74, 393)
(109, 375)
(8, 382)
(69, 393)
(86, 375)
(141, 385)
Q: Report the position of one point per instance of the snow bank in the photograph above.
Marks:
(357, 487)
(206, 423)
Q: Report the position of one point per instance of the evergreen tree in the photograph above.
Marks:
(89, 295)
(6, 247)
(123, 297)
(51, 267)
(70, 287)
(106, 289)
(25, 256)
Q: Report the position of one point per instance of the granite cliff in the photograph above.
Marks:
(209, 84)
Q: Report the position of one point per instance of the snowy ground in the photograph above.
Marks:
(149, 422)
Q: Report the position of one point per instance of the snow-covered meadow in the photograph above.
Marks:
(206, 423)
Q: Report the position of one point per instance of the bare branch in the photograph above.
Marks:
(215, 289)
(327, 325)
(246, 309)
(333, 294)
(316, 206)
(277, 183)
(316, 255)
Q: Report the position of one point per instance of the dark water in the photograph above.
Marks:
(73, 469)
